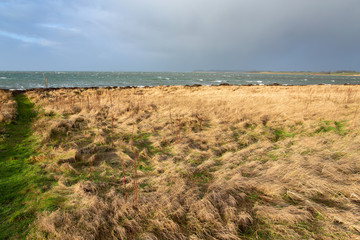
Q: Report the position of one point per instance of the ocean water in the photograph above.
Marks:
(26, 80)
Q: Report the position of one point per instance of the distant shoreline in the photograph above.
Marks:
(18, 91)
(354, 74)
(73, 79)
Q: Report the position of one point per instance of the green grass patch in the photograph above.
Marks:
(337, 127)
(202, 177)
(141, 141)
(280, 133)
(260, 229)
(253, 197)
(21, 183)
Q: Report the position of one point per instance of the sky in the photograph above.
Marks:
(179, 35)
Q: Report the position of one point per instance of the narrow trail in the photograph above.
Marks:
(20, 181)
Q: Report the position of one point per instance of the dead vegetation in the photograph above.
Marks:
(7, 111)
(7, 106)
(210, 162)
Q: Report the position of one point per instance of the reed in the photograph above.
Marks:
(91, 168)
(45, 81)
(171, 120)
(111, 100)
(124, 179)
(355, 116)
(71, 102)
(135, 185)
(349, 95)
(98, 99)
(200, 120)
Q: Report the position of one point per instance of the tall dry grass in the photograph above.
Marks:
(7, 106)
(211, 162)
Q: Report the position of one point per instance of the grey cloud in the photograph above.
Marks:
(238, 28)
(194, 34)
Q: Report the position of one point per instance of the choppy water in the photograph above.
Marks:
(25, 80)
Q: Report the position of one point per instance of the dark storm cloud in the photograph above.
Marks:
(181, 34)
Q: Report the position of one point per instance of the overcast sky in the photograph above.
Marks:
(179, 35)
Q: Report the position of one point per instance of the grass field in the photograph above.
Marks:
(209, 162)
(20, 182)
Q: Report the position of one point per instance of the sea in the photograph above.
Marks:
(27, 80)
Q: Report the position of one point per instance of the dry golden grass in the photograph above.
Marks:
(7, 106)
(215, 162)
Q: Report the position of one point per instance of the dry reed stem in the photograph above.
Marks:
(136, 164)
(124, 181)
(355, 115)
(111, 101)
(45, 81)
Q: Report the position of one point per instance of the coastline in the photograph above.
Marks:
(308, 73)
(24, 80)
(186, 86)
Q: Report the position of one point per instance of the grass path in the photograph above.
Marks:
(21, 182)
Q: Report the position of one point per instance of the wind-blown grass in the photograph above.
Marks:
(7, 107)
(213, 162)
